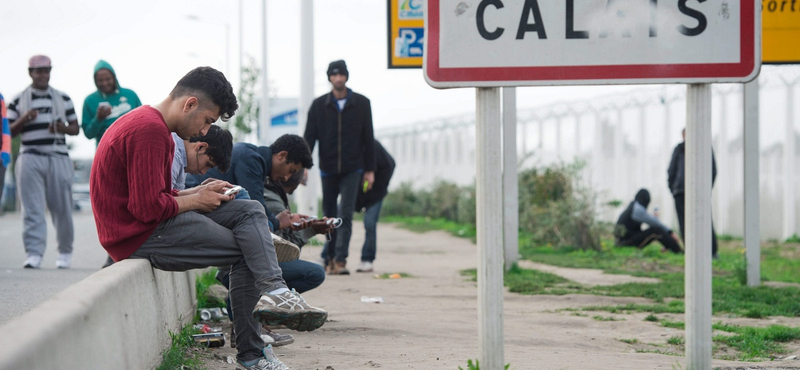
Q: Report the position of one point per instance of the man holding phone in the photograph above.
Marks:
(102, 107)
(143, 217)
(43, 116)
(252, 167)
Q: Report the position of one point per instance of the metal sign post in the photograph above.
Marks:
(698, 226)
(490, 228)
(752, 211)
(510, 179)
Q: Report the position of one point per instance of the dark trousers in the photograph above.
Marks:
(680, 208)
(236, 235)
(643, 238)
(346, 185)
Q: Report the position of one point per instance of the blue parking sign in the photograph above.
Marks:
(409, 43)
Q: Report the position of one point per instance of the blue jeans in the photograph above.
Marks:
(371, 225)
(302, 276)
(347, 185)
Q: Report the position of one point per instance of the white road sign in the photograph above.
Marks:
(574, 42)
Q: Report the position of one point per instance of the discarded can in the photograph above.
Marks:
(212, 313)
(366, 299)
(210, 340)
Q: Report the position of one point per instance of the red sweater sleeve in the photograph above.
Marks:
(151, 199)
(130, 183)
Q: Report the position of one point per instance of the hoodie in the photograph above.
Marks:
(121, 100)
(631, 220)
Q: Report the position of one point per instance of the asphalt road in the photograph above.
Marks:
(22, 289)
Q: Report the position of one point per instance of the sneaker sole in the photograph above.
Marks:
(280, 343)
(305, 321)
(286, 251)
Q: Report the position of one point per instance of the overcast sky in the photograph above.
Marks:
(151, 44)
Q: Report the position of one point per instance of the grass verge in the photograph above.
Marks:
(182, 353)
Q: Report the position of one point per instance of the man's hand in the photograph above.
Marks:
(209, 198)
(321, 226)
(218, 185)
(208, 181)
(299, 221)
(285, 219)
(369, 178)
(30, 115)
(103, 112)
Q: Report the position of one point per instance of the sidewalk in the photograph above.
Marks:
(429, 321)
(22, 289)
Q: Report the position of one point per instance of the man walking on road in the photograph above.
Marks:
(342, 123)
(143, 217)
(43, 116)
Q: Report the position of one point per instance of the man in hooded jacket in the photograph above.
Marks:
(629, 226)
(102, 107)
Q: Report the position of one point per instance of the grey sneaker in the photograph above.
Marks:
(284, 249)
(268, 362)
(274, 338)
(289, 309)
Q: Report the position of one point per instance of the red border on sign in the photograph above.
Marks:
(588, 73)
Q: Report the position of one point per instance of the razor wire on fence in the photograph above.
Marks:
(626, 141)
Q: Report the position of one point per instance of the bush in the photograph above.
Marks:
(406, 202)
(557, 210)
(553, 206)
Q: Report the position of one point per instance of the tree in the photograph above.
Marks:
(246, 118)
(247, 115)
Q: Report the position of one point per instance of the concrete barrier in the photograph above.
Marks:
(117, 318)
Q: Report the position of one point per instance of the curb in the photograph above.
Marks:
(119, 317)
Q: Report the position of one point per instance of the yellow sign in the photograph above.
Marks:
(780, 31)
(406, 33)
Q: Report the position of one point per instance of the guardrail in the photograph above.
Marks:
(117, 318)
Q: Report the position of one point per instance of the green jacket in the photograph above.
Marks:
(122, 101)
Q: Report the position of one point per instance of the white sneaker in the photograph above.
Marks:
(64, 260)
(364, 266)
(33, 261)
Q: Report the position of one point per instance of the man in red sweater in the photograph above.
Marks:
(138, 215)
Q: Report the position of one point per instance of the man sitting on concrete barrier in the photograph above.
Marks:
(138, 215)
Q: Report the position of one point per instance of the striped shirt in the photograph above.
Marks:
(35, 134)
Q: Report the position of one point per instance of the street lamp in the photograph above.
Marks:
(227, 26)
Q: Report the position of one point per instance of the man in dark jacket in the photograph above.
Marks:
(370, 202)
(253, 166)
(676, 176)
(629, 226)
(342, 123)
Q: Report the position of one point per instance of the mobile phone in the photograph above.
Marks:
(308, 219)
(233, 190)
(335, 222)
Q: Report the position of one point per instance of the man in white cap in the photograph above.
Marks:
(43, 116)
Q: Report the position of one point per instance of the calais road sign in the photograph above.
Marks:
(472, 43)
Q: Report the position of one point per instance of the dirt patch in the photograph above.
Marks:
(430, 320)
(587, 277)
